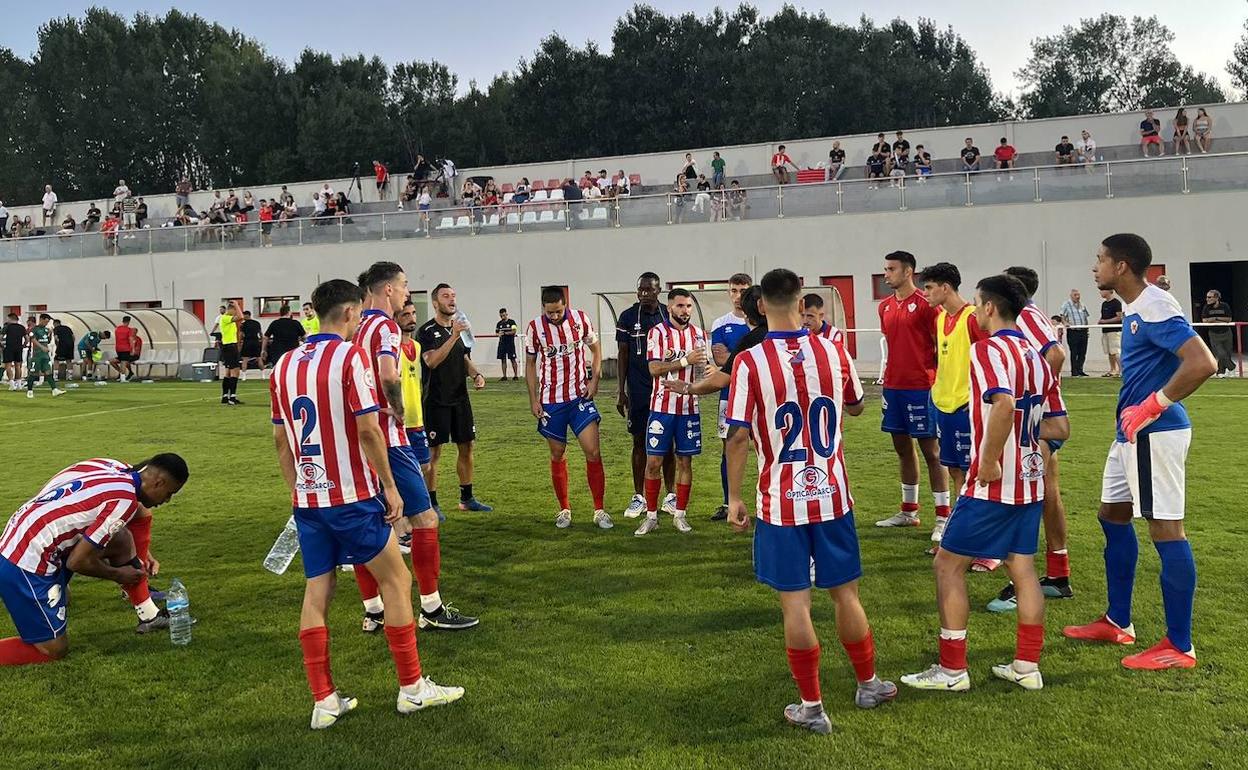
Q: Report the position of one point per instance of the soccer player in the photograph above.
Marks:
(284, 334)
(908, 323)
(14, 343)
(230, 359)
(41, 357)
(787, 395)
(1163, 362)
(63, 337)
(636, 386)
(311, 324)
(675, 350)
(445, 368)
(506, 330)
(1000, 503)
(409, 370)
(815, 318)
(956, 330)
(123, 347)
(561, 344)
(92, 519)
(332, 453)
(726, 332)
(89, 351)
(251, 343)
(385, 292)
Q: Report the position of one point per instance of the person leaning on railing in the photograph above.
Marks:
(737, 203)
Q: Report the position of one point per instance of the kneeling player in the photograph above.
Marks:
(997, 515)
(787, 394)
(561, 397)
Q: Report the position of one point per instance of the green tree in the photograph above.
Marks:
(1238, 65)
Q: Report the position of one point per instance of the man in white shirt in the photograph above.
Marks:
(603, 181)
(318, 204)
(1085, 148)
(449, 172)
(327, 192)
(120, 193)
(49, 204)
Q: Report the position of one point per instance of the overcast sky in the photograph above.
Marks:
(479, 39)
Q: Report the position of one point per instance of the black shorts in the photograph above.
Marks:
(453, 424)
(251, 350)
(229, 356)
(126, 357)
(638, 412)
(64, 354)
(12, 356)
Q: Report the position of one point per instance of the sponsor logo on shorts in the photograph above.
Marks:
(60, 614)
(811, 483)
(654, 442)
(54, 596)
(656, 428)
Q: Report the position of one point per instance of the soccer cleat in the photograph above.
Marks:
(1101, 630)
(636, 507)
(813, 718)
(647, 526)
(30, 394)
(603, 519)
(682, 524)
(1056, 588)
(873, 693)
(720, 514)
(225, 401)
(158, 623)
(447, 618)
(1159, 657)
(326, 716)
(669, 504)
(900, 519)
(564, 519)
(1006, 601)
(938, 529)
(1029, 681)
(235, 402)
(473, 504)
(985, 565)
(937, 678)
(405, 543)
(426, 693)
(58, 392)
(373, 621)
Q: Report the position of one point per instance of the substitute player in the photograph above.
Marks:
(80, 523)
(63, 358)
(675, 350)
(413, 409)
(123, 349)
(231, 360)
(1163, 362)
(788, 394)
(386, 292)
(332, 453)
(908, 323)
(1000, 504)
(41, 357)
(726, 332)
(815, 318)
(560, 346)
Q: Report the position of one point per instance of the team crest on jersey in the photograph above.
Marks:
(811, 483)
(1135, 326)
(911, 307)
(1033, 466)
(796, 357)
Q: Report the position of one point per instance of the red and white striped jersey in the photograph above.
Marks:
(562, 355)
(1006, 363)
(830, 332)
(668, 343)
(317, 391)
(790, 391)
(1041, 336)
(94, 504)
(379, 336)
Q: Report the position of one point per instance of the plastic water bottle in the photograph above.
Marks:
(466, 335)
(284, 549)
(178, 603)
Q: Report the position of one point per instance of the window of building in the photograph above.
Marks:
(38, 308)
(271, 307)
(143, 304)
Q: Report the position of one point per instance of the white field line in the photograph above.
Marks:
(109, 411)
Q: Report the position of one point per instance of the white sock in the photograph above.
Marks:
(679, 513)
(941, 498)
(652, 514)
(430, 602)
(374, 605)
(812, 704)
(1024, 666)
(952, 635)
(329, 703)
(147, 610)
(414, 687)
(910, 493)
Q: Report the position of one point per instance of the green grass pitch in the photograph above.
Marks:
(597, 649)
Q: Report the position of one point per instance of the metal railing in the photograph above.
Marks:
(1103, 180)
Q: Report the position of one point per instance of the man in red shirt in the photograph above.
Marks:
(1005, 155)
(908, 323)
(123, 344)
(779, 163)
(266, 224)
(112, 224)
(383, 178)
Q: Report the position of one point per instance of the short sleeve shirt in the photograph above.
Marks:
(446, 384)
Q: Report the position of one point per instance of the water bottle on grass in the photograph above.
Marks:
(284, 549)
(178, 603)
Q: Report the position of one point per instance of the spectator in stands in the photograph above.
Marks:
(491, 198)
(410, 192)
(217, 204)
(93, 218)
(573, 201)
(521, 195)
(1150, 133)
(382, 175)
(677, 199)
(182, 193)
(30, 228)
(703, 196)
(836, 162)
(284, 198)
(320, 206)
(342, 206)
(249, 202)
(780, 162)
(1221, 341)
(970, 156)
(593, 192)
(49, 204)
(231, 202)
(625, 187)
(186, 217)
(289, 210)
(470, 193)
(424, 202)
(1162, 282)
(717, 170)
(109, 231)
(719, 204)
(1202, 127)
(602, 181)
(1064, 152)
(1111, 336)
(738, 203)
(449, 174)
(901, 148)
(689, 170)
(1005, 156)
(68, 225)
(881, 145)
(327, 192)
(4, 219)
(877, 162)
(1181, 136)
(266, 224)
(140, 214)
(587, 180)
(922, 163)
(898, 165)
(1085, 150)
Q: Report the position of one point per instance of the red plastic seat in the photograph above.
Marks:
(634, 179)
(537, 185)
(554, 184)
(508, 187)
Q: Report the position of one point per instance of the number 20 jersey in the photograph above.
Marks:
(790, 391)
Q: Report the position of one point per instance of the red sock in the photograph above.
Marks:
(315, 644)
(652, 494)
(1030, 642)
(15, 652)
(559, 478)
(910, 507)
(402, 641)
(862, 656)
(1057, 565)
(805, 667)
(367, 583)
(426, 559)
(597, 483)
(137, 593)
(682, 496)
(953, 654)
(942, 511)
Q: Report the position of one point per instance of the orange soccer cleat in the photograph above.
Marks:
(1101, 630)
(1159, 657)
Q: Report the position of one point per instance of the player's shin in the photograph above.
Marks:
(15, 652)
(427, 564)
(652, 496)
(370, 594)
(1178, 589)
(315, 644)
(1122, 551)
(597, 479)
(402, 642)
(559, 481)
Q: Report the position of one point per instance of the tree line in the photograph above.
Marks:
(155, 98)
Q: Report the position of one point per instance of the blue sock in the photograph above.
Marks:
(1122, 551)
(1178, 589)
(723, 476)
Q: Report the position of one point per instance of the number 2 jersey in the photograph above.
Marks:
(790, 391)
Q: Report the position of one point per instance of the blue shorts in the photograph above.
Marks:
(954, 432)
(342, 534)
(782, 554)
(577, 414)
(1055, 444)
(665, 431)
(37, 603)
(405, 467)
(984, 529)
(420, 445)
(909, 411)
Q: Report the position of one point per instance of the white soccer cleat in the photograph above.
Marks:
(682, 525)
(326, 712)
(648, 525)
(424, 694)
(900, 519)
(636, 507)
(30, 394)
(669, 504)
(57, 392)
(937, 678)
(1029, 681)
(603, 519)
(938, 529)
(564, 519)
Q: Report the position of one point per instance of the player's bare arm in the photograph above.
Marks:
(285, 458)
(530, 382)
(692, 358)
(595, 368)
(1196, 364)
(712, 383)
(736, 450)
(720, 353)
(478, 379)
(1056, 358)
(373, 442)
(1000, 421)
(1055, 428)
(86, 559)
(389, 378)
(621, 395)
